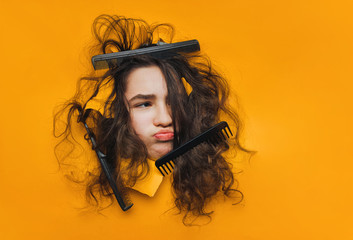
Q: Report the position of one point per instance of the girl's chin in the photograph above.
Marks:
(160, 152)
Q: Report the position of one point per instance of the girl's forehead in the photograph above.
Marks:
(145, 80)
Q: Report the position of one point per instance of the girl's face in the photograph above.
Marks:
(150, 113)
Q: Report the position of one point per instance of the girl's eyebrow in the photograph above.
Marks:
(143, 96)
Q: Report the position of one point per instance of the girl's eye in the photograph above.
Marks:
(143, 105)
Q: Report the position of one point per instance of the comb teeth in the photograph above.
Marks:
(213, 136)
(164, 169)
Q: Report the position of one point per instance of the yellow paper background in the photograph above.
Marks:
(289, 61)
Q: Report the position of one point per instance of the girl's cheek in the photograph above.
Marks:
(141, 120)
(141, 117)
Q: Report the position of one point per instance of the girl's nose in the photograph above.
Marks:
(163, 116)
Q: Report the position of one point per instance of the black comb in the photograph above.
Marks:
(102, 159)
(162, 50)
(213, 135)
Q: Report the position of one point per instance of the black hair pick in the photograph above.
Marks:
(102, 159)
(213, 135)
(160, 50)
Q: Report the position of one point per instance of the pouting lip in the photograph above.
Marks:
(164, 135)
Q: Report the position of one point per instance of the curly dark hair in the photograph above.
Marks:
(200, 174)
